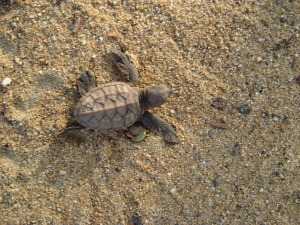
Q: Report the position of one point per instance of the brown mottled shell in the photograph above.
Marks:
(109, 106)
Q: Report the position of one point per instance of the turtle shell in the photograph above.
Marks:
(110, 106)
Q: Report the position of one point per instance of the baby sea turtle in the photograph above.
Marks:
(118, 105)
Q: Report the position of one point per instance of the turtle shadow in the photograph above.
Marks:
(79, 154)
(75, 155)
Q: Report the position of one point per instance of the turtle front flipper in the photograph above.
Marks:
(86, 82)
(126, 68)
(159, 126)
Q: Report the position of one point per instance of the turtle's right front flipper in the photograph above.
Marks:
(159, 126)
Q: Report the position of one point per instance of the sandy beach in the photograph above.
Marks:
(235, 69)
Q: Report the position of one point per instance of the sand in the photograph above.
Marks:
(234, 67)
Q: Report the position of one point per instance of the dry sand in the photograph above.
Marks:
(244, 53)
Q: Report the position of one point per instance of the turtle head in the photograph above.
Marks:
(156, 95)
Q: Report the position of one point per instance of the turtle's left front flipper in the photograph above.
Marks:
(86, 82)
(126, 68)
(159, 126)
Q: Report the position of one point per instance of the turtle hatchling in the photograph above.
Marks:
(120, 105)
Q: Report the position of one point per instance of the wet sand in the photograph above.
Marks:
(234, 67)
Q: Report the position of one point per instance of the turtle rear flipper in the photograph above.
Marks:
(126, 68)
(159, 126)
(86, 82)
(74, 127)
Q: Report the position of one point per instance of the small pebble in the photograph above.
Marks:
(58, 209)
(218, 103)
(172, 111)
(118, 169)
(137, 220)
(173, 190)
(211, 134)
(17, 60)
(62, 172)
(276, 173)
(23, 177)
(199, 214)
(6, 82)
(113, 2)
(237, 149)
(243, 109)
(265, 114)
(217, 182)
(238, 206)
(6, 199)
